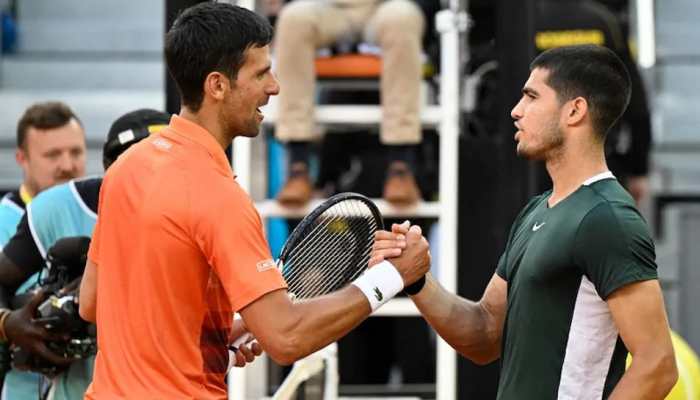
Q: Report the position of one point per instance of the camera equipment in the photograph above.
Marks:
(59, 312)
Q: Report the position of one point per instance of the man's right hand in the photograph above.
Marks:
(22, 330)
(414, 260)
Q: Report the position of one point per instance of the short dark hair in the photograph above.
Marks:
(211, 37)
(45, 115)
(592, 72)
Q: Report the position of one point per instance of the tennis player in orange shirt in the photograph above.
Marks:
(179, 247)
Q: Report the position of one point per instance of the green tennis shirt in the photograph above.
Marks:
(561, 263)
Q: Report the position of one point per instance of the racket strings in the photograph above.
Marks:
(325, 271)
(339, 280)
(319, 225)
(335, 214)
(334, 251)
(341, 270)
(335, 272)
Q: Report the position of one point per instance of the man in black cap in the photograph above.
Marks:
(69, 209)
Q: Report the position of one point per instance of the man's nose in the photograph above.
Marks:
(516, 112)
(67, 163)
(274, 88)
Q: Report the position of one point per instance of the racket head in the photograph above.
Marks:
(331, 246)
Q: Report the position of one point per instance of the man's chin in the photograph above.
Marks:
(60, 180)
(528, 154)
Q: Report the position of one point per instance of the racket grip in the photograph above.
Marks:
(241, 340)
(415, 287)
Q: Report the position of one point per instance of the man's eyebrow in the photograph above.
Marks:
(530, 91)
(265, 69)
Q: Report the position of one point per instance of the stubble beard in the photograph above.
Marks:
(551, 144)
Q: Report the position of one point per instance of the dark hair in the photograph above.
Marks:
(46, 115)
(211, 37)
(592, 72)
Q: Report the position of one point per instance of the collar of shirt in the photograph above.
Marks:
(205, 139)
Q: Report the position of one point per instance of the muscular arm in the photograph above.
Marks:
(638, 312)
(19, 260)
(474, 329)
(11, 276)
(288, 331)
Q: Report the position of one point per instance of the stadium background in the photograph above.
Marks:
(104, 58)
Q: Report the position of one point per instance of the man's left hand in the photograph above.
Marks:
(246, 351)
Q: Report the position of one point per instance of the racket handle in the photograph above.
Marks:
(233, 348)
(415, 287)
(241, 340)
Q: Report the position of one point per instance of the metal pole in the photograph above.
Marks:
(449, 23)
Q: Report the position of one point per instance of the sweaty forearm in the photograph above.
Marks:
(466, 325)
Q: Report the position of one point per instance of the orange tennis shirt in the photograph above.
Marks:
(179, 247)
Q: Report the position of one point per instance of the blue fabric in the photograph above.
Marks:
(55, 213)
(277, 229)
(10, 214)
(21, 385)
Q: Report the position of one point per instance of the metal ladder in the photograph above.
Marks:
(445, 116)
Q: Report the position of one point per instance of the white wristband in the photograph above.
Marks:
(380, 284)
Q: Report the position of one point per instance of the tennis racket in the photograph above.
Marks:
(328, 249)
(331, 246)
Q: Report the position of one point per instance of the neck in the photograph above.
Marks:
(26, 192)
(210, 122)
(572, 167)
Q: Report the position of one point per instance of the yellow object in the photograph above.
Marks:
(688, 385)
(25, 195)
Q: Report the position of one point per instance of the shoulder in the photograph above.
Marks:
(612, 219)
(88, 191)
(222, 194)
(66, 199)
(12, 204)
(52, 197)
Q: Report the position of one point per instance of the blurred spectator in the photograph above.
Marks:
(569, 22)
(63, 211)
(50, 150)
(397, 27)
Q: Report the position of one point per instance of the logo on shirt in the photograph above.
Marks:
(162, 144)
(378, 294)
(537, 226)
(265, 265)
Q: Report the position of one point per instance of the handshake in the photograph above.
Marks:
(406, 249)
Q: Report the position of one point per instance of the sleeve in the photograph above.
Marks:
(501, 268)
(22, 250)
(613, 247)
(234, 245)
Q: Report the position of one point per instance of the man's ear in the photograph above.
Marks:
(215, 85)
(576, 111)
(21, 157)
